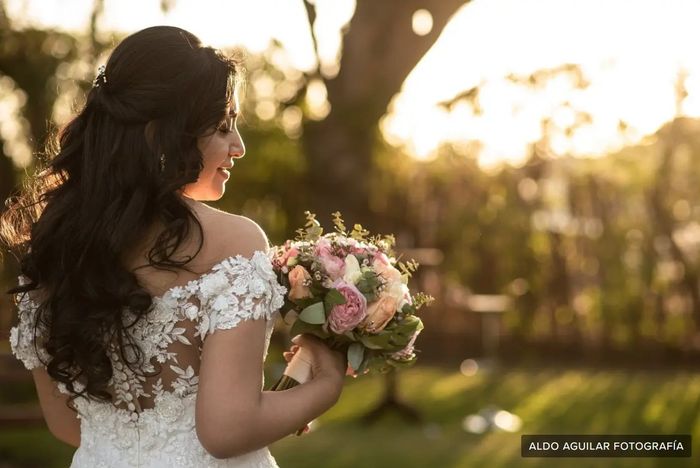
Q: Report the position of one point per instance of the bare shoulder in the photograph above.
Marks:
(229, 234)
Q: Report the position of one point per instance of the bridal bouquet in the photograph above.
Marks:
(350, 291)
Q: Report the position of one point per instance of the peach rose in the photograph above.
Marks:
(379, 313)
(385, 270)
(298, 280)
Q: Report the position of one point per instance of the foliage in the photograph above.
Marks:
(548, 400)
(596, 252)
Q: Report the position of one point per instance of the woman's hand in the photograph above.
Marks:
(326, 363)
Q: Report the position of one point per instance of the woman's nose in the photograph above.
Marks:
(238, 153)
(237, 148)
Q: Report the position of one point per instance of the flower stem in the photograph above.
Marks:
(284, 383)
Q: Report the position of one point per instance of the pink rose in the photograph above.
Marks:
(379, 313)
(353, 246)
(346, 317)
(382, 258)
(333, 265)
(322, 247)
(290, 254)
(284, 255)
(298, 280)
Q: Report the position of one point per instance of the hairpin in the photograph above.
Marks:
(101, 77)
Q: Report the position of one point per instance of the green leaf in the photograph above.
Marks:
(401, 364)
(395, 336)
(381, 341)
(300, 327)
(332, 299)
(368, 283)
(313, 314)
(356, 353)
(305, 302)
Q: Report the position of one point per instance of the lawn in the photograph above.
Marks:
(548, 400)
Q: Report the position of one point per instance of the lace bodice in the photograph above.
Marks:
(150, 422)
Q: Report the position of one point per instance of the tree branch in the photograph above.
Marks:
(311, 16)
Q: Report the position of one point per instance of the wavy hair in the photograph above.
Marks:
(101, 188)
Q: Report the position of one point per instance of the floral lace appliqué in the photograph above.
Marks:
(151, 419)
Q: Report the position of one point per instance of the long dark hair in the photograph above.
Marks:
(114, 172)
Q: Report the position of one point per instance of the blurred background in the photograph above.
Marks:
(539, 158)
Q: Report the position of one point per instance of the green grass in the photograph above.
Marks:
(553, 401)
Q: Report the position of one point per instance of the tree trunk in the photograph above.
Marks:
(379, 51)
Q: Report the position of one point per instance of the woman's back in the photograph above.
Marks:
(164, 367)
(151, 419)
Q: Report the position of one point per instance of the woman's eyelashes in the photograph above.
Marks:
(228, 125)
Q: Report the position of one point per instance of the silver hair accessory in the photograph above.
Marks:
(162, 162)
(101, 77)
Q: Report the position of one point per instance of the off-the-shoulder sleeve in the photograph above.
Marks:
(238, 289)
(25, 341)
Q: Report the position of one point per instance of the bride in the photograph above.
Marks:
(144, 314)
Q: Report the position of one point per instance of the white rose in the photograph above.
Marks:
(352, 270)
(399, 291)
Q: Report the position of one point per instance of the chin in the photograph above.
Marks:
(212, 197)
(205, 192)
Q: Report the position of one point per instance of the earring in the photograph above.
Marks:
(162, 162)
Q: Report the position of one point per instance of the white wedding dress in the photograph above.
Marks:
(151, 420)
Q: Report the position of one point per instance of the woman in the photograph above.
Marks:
(145, 315)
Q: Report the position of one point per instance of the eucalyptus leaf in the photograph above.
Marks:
(381, 341)
(313, 314)
(332, 299)
(300, 327)
(401, 364)
(356, 353)
(368, 283)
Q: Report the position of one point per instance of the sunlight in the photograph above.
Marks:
(422, 22)
(13, 128)
(631, 73)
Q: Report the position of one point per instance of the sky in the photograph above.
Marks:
(631, 53)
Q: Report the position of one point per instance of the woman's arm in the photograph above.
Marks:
(234, 416)
(61, 420)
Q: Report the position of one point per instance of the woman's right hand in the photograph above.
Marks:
(327, 363)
